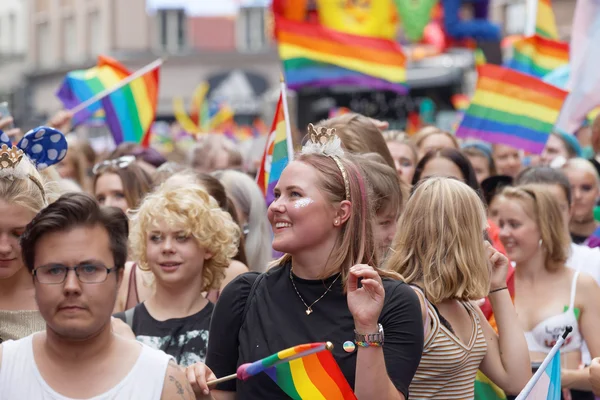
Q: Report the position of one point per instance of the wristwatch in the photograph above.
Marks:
(369, 339)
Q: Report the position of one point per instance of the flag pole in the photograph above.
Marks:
(108, 91)
(531, 11)
(214, 383)
(542, 369)
(286, 116)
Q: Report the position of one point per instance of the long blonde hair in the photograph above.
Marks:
(440, 243)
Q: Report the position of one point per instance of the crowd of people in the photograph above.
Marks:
(423, 259)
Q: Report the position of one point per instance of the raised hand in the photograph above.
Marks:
(498, 267)
(365, 303)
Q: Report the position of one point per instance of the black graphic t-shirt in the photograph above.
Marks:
(186, 339)
(276, 319)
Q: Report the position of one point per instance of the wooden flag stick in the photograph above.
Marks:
(106, 92)
(212, 384)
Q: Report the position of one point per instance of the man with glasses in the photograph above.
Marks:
(76, 252)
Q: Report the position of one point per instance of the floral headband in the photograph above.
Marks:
(325, 142)
(43, 146)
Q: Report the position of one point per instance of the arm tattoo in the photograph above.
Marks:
(182, 389)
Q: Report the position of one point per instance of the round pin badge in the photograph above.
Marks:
(349, 347)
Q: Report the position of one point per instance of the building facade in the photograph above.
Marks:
(13, 48)
(232, 52)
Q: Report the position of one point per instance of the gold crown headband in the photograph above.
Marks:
(324, 141)
(10, 159)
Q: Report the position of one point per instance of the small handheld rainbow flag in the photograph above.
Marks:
(511, 108)
(313, 55)
(304, 372)
(278, 150)
(130, 110)
(538, 56)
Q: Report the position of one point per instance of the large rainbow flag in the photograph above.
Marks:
(129, 111)
(304, 372)
(316, 56)
(276, 157)
(538, 56)
(512, 108)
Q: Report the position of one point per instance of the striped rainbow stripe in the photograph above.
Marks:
(512, 108)
(316, 56)
(304, 372)
(130, 111)
(538, 56)
(275, 157)
(545, 23)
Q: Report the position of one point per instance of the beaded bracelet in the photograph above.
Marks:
(369, 344)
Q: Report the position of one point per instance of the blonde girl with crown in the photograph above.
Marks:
(321, 218)
(23, 193)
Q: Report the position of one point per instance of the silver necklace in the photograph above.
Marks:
(309, 309)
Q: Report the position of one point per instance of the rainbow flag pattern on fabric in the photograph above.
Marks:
(538, 56)
(129, 111)
(545, 23)
(276, 157)
(485, 389)
(315, 56)
(511, 108)
(304, 372)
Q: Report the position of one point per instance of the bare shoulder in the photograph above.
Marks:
(235, 269)
(587, 288)
(176, 385)
(238, 268)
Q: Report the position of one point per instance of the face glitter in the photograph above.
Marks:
(303, 202)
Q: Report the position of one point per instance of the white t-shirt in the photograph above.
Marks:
(584, 259)
(21, 379)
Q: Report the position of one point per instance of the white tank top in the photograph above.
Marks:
(21, 379)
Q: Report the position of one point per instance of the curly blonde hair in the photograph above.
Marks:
(200, 216)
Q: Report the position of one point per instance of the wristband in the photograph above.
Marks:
(369, 340)
(499, 289)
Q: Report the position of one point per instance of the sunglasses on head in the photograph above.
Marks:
(121, 162)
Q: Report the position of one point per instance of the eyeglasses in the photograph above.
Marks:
(121, 162)
(55, 274)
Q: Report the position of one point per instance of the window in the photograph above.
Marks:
(94, 34)
(252, 30)
(69, 40)
(172, 30)
(44, 48)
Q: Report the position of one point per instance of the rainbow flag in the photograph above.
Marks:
(485, 389)
(129, 111)
(545, 23)
(276, 157)
(460, 101)
(304, 372)
(511, 108)
(480, 58)
(538, 56)
(315, 56)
